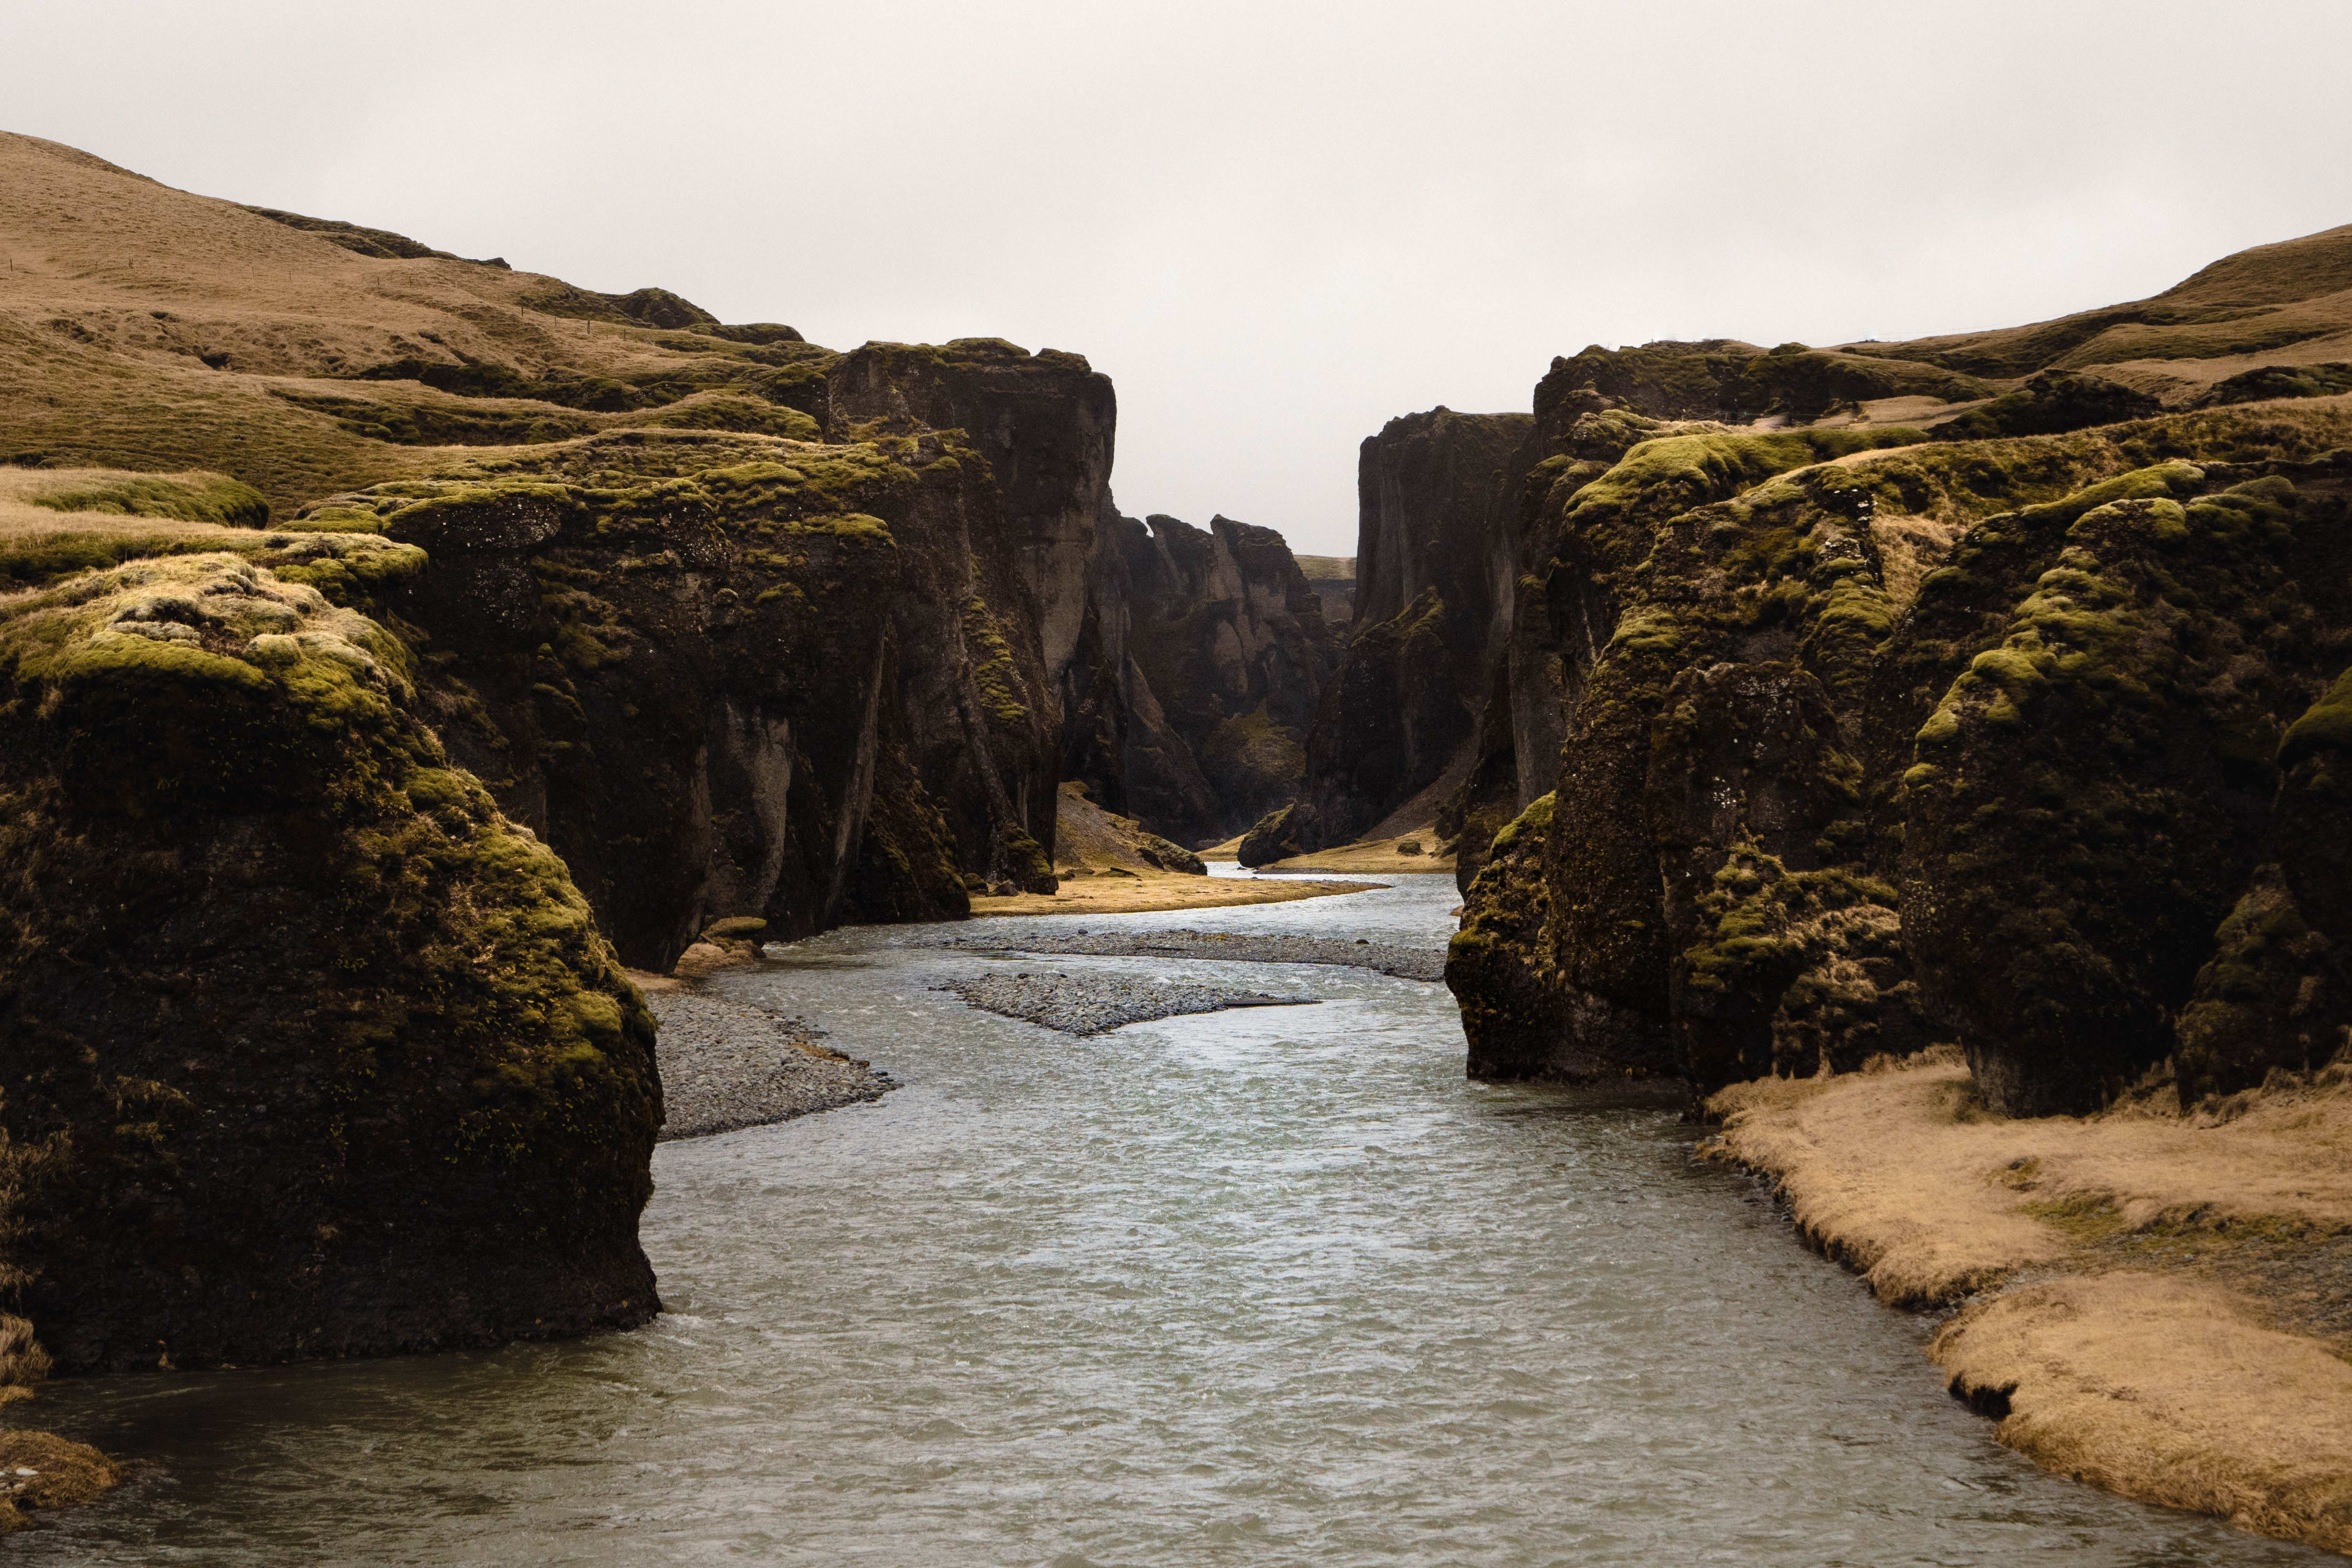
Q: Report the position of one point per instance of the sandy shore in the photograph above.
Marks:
(1382, 857)
(1152, 895)
(2154, 1303)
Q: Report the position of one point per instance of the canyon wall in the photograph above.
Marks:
(1203, 656)
(2017, 726)
(1395, 732)
(523, 631)
(309, 1050)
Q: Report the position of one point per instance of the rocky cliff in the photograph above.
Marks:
(2007, 727)
(1436, 554)
(2017, 739)
(527, 629)
(310, 1051)
(1201, 657)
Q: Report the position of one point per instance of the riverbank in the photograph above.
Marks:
(1136, 894)
(727, 1064)
(2154, 1303)
(1403, 960)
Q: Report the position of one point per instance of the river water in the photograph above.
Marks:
(1263, 1286)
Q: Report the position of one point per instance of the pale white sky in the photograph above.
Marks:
(1275, 225)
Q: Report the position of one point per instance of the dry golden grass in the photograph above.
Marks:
(2162, 1299)
(1158, 893)
(2288, 303)
(2166, 1390)
(1900, 1173)
(42, 1470)
(146, 328)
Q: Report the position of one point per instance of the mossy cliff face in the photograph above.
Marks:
(1436, 568)
(694, 662)
(1801, 818)
(1034, 433)
(311, 1050)
(2092, 794)
(1045, 426)
(1199, 666)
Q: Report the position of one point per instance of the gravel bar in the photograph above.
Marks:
(1404, 961)
(1096, 1004)
(727, 1064)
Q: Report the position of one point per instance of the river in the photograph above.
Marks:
(1265, 1287)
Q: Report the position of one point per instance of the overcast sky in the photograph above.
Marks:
(1274, 225)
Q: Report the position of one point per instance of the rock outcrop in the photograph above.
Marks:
(1800, 822)
(311, 1050)
(1201, 660)
(1438, 497)
(1820, 735)
(1092, 842)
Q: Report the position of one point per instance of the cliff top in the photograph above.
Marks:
(2238, 330)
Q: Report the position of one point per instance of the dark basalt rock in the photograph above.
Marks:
(1785, 960)
(311, 1051)
(625, 666)
(1437, 496)
(1280, 834)
(1198, 663)
(2273, 995)
(1798, 823)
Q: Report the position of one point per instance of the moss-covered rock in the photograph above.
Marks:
(2266, 382)
(2314, 813)
(1278, 835)
(2273, 996)
(1725, 379)
(1786, 959)
(1514, 1012)
(2051, 404)
(2087, 801)
(325, 1055)
(1820, 797)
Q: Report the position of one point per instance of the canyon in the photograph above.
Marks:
(397, 651)
(479, 636)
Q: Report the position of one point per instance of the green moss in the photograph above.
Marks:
(1675, 473)
(994, 672)
(1532, 822)
(190, 498)
(2325, 726)
(729, 411)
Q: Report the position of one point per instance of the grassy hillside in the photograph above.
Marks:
(142, 327)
